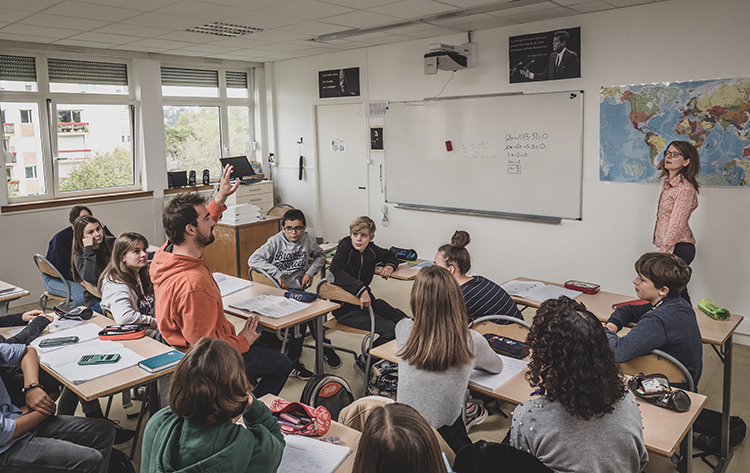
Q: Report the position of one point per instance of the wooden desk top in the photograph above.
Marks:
(713, 332)
(11, 292)
(115, 382)
(663, 429)
(348, 436)
(316, 308)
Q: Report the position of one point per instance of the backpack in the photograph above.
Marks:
(707, 431)
(120, 463)
(383, 379)
(329, 391)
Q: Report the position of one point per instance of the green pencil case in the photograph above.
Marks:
(713, 310)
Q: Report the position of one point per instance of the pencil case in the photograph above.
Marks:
(584, 287)
(123, 332)
(312, 420)
(301, 296)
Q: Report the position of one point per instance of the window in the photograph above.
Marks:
(205, 118)
(77, 115)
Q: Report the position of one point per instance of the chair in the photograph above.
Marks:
(92, 289)
(49, 269)
(278, 210)
(331, 292)
(661, 362)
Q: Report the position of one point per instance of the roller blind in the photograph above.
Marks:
(87, 72)
(173, 76)
(237, 80)
(18, 68)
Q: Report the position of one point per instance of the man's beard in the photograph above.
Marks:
(203, 241)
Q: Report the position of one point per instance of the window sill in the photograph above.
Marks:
(65, 202)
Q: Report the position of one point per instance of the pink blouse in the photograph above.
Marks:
(677, 201)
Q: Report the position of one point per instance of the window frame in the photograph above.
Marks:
(223, 102)
(48, 101)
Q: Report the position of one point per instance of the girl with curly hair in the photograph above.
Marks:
(586, 419)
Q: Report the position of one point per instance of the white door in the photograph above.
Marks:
(342, 167)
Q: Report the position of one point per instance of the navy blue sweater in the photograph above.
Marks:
(669, 326)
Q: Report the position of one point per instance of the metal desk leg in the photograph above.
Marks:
(726, 452)
(163, 389)
(4, 308)
(319, 342)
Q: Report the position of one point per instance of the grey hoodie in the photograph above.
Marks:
(281, 257)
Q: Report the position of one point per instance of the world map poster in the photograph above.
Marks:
(638, 121)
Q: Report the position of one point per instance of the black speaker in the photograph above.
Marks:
(205, 177)
(176, 179)
(191, 179)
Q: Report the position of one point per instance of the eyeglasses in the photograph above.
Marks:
(293, 229)
(673, 154)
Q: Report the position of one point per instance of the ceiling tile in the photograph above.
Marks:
(472, 3)
(430, 33)
(209, 48)
(41, 31)
(203, 11)
(91, 11)
(162, 21)
(311, 28)
(14, 15)
(132, 30)
(362, 19)
(524, 9)
(281, 47)
(485, 24)
(140, 5)
(104, 38)
(264, 19)
(308, 9)
(24, 37)
(159, 43)
(550, 14)
(191, 37)
(461, 20)
(278, 36)
(240, 42)
(360, 4)
(26, 5)
(143, 49)
(80, 24)
(627, 3)
(589, 7)
(252, 4)
(84, 44)
(412, 9)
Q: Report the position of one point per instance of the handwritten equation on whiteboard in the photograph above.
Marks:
(522, 145)
(477, 150)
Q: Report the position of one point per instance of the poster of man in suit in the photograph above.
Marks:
(551, 55)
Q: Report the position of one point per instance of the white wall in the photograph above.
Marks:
(670, 41)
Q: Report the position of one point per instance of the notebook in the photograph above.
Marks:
(161, 362)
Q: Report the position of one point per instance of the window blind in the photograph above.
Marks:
(18, 68)
(87, 72)
(173, 76)
(237, 80)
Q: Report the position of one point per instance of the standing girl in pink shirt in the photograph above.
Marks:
(677, 201)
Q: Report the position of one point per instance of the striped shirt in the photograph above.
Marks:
(484, 297)
(677, 201)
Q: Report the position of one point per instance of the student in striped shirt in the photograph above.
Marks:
(482, 296)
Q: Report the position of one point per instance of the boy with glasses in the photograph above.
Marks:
(285, 257)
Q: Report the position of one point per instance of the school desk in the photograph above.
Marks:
(405, 271)
(317, 310)
(8, 293)
(663, 429)
(717, 333)
(348, 438)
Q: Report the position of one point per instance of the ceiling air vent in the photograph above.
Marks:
(224, 29)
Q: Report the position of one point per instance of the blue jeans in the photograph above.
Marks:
(57, 287)
(270, 366)
(62, 444)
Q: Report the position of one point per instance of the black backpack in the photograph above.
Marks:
(707, 431)
(329, 391)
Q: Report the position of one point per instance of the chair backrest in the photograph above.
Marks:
(330, 291)
(262, 277)
(279, 210)
(518, 330)
(49, 269)
(92, 289)
(659, 362)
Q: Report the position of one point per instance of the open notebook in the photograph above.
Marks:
(305, 454)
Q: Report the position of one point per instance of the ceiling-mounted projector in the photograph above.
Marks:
(450, 58)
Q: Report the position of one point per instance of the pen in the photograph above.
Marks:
(447, 464)
(536, 393)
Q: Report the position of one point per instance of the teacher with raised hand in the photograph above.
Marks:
(677, 201)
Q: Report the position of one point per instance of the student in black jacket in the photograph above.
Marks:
(353, 268)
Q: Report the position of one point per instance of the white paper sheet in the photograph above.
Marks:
(228, 285)
(491, 381)
(304, 454)
(85, 332)
(271, 306)
(537, 291)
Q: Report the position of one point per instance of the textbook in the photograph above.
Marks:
(303, 454)
(161, 362)
(537, 291)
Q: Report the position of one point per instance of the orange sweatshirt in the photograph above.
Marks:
(188, 300)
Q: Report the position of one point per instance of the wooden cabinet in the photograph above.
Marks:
(233, 245)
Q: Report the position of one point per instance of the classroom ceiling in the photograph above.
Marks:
(286, 28)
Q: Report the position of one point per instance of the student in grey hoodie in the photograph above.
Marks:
(285, 257)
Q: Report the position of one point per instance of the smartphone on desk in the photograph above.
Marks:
(58, 341)
(99, 359)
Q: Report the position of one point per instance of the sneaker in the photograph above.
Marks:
(300, 372)
(332, 359)
(122, 435)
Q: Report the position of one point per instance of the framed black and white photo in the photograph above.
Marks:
(552, 55)
(376, 138)
(338, 83)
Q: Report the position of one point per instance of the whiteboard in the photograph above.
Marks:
(512, 155)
